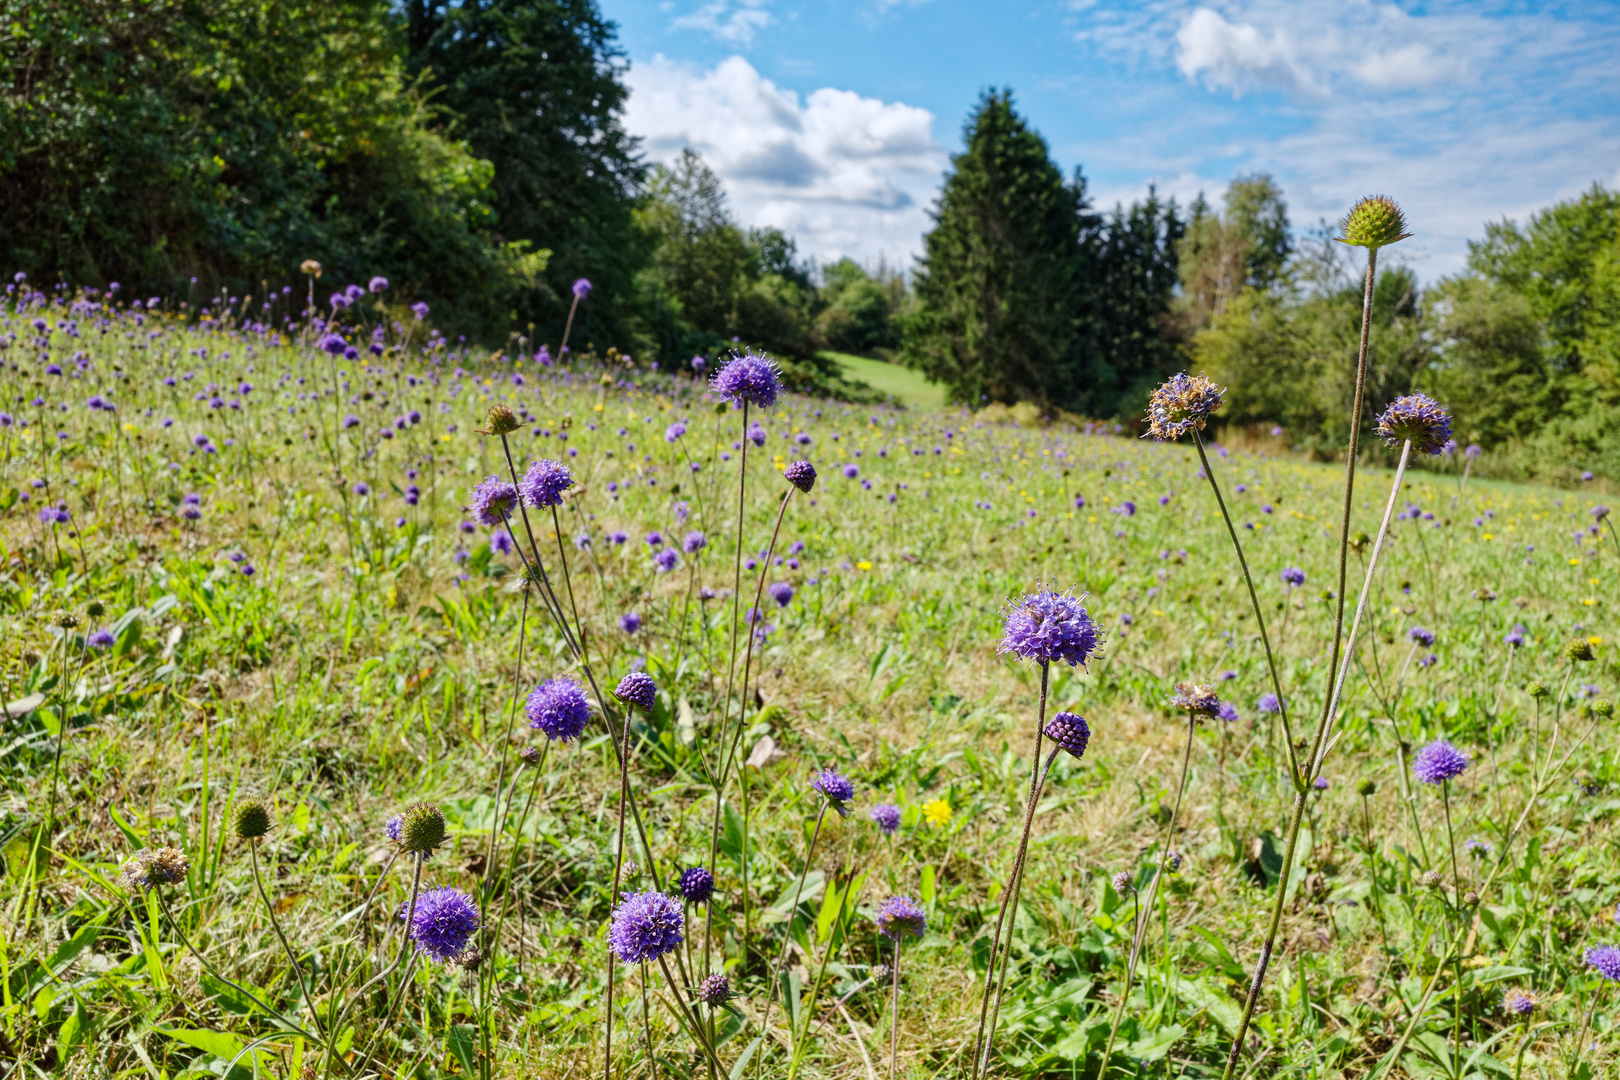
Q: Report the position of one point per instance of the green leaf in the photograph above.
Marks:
(70, 949)
(1497, 973)
(230, 998)
(1199, 994)
(927, 887)
(74, 1028)
(222, 1044)
(1156, 1044)
(462, 1042)
(742, 1061)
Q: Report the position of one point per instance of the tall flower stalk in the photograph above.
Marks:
(1043, 627)
(1372, 223)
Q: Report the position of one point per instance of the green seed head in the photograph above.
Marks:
(95, 609)
(1470, 898)
(500, 421)
(1431, 879)
(1374, 222)
(1537, 690)
(250, 819)
(1603, 707)
(421, 828)
(1366, 788)
(1578, 649)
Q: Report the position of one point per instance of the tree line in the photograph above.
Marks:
(473, 152)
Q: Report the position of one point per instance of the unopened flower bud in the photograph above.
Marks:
(1578, 649)
(1373, 223)
(1430, 879)
(250, 818)
(1367, 787)
(421, 828)
(1122, 883)
(500, 421)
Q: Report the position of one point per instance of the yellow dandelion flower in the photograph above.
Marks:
(937, 812)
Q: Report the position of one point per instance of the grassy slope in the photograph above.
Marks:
(909, 387)
(355, 672)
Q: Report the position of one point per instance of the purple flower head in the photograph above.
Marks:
(756, 435)
(1439, 762)
(694, 543)
(1070, 732)
(1196, 698)
(500, 542)
(334, 344)
(1127, 508)
(629, 622)
(698, 363)
(1599, 513)
(1293, 576)
(899, 917)
(1514, 637)
(714, 991)
(1473, 451)
(100, 639)
(655, 540)
(674, 431)
(362, 488)
(544, 483)
(1269, 703)
(378, 284)
(1605, 960)
(748, 378)
(644, 927)
(887, 817)
(1421, 636)
(1049, 626)
(443, 923)
(558, 707)
(696, 885)
(1520, 1002)
(801, 474)
(781, 592)
(1419, 418)
(420, 310)
(665, 560)
(638, 689)
(1320, 783)
(836, 787)
(582, 289)
(491, 500)
(1182, 404)
(1227, 712)
(851, 471)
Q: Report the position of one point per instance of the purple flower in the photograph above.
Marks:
(645, 926)
(1419, 418)
(1293, 576)
(378, 284)
(100, 639)
(491, 501)
(1182, 404)
(629, 622)
(1269, 703)
(887, 817)
(582, 289)
(899, 917)
(1049, 626)
(361, 488)
(694, 542)
(1599, 513)
(1069, 731)
(1439, 762)
(1421, 636)
(1514, 637)
(781, 592)
(674, 431)
(655, 540)
(665, 560)
(851, 471)
(1227, 712)
(443, 923)
(696, 885)
(558, 708)
(801, 474)
(1197, 698)
(1605, 960)
(1520, 1002)
(334, 344)
(544, 483)
(638, 689)
(756, 435)
(420, 310)
(748, 378)
(1473, 451)
(836, 787)
(500, 542)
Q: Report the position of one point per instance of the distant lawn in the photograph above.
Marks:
(910, 387)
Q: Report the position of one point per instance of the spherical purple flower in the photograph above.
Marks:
(756, 435)
(1439, 762)
(694, 542)
(781, 592)
(749, 377)
(887, 817)
(1182, 404)
(899, 917)
(1293, 576)
(1227, 712)
(1473, 451)
(544, 483)
(362, 488)
(801, 474)
(1605, 959)
(1421, 636)
(1197, 698)
(443, 923)
(1520, 1002)
(1419, 418)
(629, 622)
(1049, 626)
(100, 639)
(420, 310)
(852, 471)
(1599, 513)
(1514, 637)
(582, 289)
(500, 542)
(378, 284)
(665, 560)
(638, 689)
(714, 991)
(645, 926)
(674, 431)
(836, 787)
(491, 501)
(696, 884)
(1070, 732)
(559, 708)
(334, 344)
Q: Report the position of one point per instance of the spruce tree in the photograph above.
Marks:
(1001, 285)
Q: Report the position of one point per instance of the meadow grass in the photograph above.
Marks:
(907, 386)
(324, 629)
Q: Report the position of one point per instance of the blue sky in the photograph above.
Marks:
(835, 119)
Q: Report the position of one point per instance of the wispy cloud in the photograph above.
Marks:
(845, 174)
(733, 23)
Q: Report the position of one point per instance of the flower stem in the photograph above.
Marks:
(613, 897)
(793, 913)
(894, 1022)
(309, 1002)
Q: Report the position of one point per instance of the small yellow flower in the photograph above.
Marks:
(937, 812)
(863, 565)
(1595, 642)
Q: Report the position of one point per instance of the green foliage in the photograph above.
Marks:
(146, 143)
(534, 88)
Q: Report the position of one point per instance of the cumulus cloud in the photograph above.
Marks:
(844, 174)
(1236, 56)
(734, 24)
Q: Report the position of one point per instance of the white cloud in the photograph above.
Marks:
(842, 173)
(735, 25)
(1236, 56)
